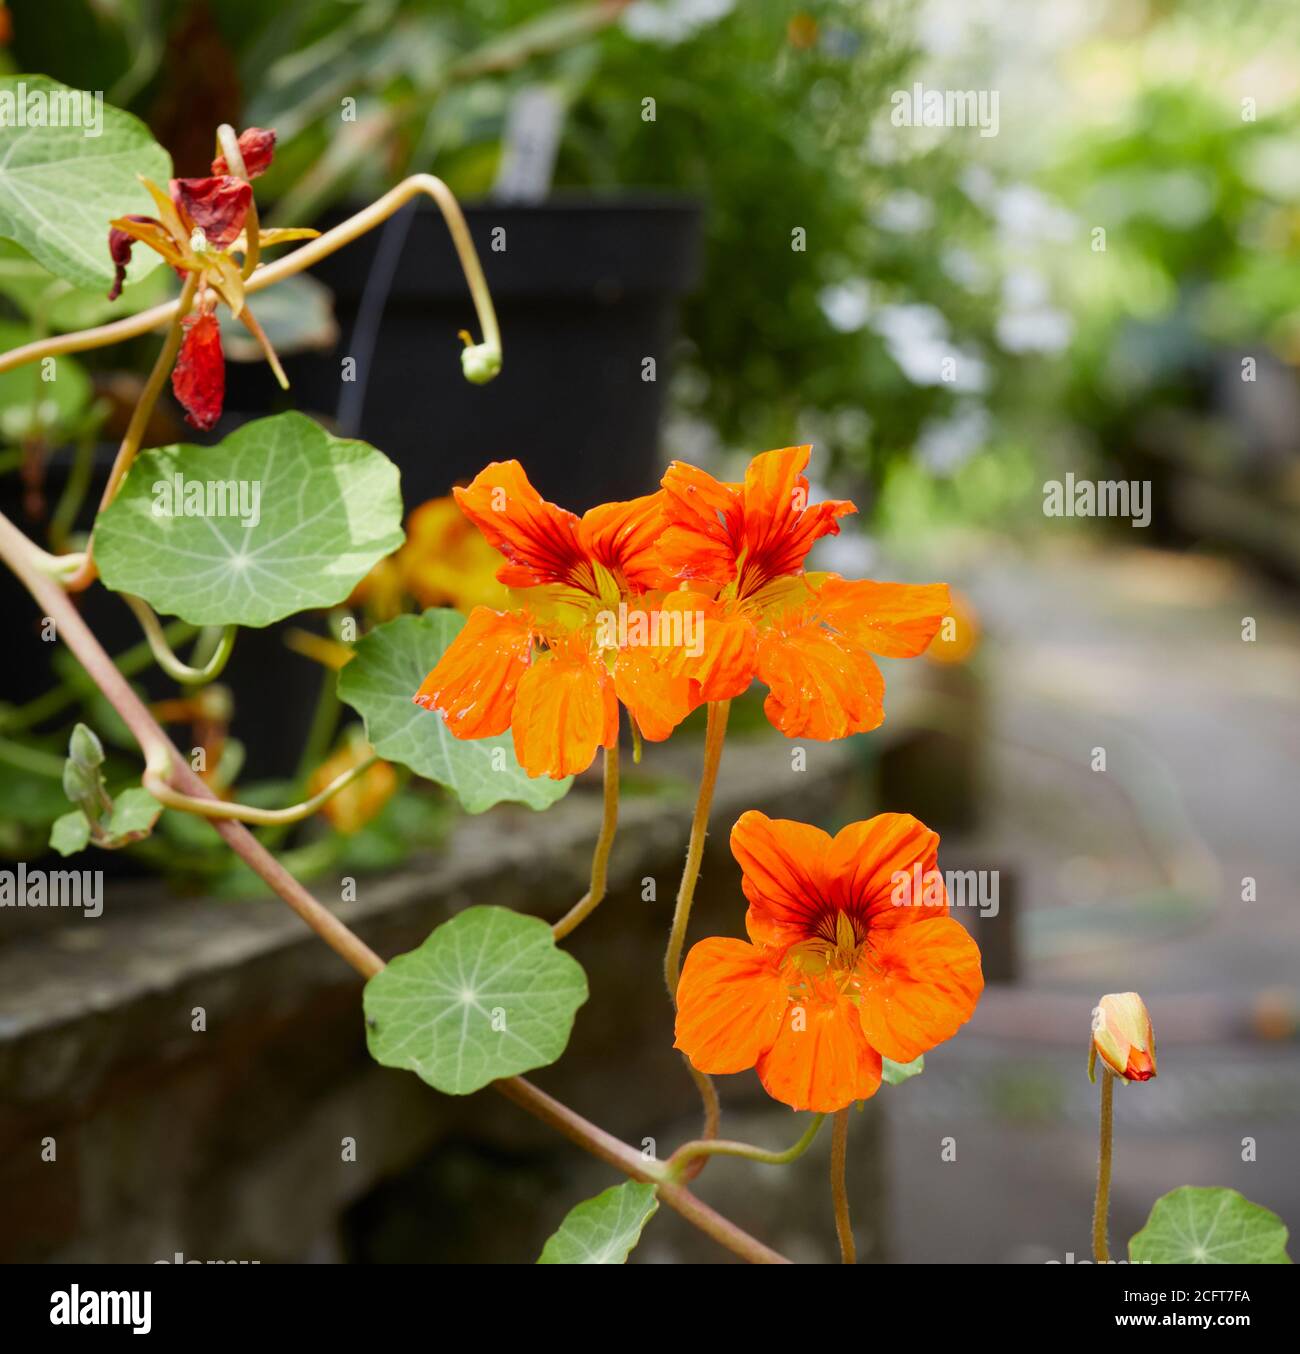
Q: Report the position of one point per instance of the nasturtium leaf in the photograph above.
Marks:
(390, 663)
(894, 1074)
(60, 186)
(487, 995)
(60, 307)
(1196, 1225)
(40, 397)
(70, 833)
(296, 315)
(134, 810)
(320, 511)
(601, 1231)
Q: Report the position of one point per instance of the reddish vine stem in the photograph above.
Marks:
(17, 551)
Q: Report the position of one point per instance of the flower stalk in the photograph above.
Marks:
(715, 736)
(1106, 1137)
(839, 1193)
(591, 900)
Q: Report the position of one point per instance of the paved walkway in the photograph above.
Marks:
(1129, 879)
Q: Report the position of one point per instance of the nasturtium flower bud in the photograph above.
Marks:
(1122, 1036)
(480, 362)
(85, 748)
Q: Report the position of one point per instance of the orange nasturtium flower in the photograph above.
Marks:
(198, 229)
(1123, 1038)
(853, 958)
(809, 637)
(590, 599)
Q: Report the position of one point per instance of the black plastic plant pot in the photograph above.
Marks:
(586, 292)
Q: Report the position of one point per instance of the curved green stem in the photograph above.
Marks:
(102, 336)
(839, 1193)
(1101, 1209)
(715, 735)
(591, 900)
(705, 1147)
(162, 651)
(155, 781)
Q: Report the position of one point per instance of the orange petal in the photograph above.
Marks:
(565, 709)
(820, 1061)
(886, 871)
(820, 686)
(784, 876)
(704, 519)
(624, 537)
(729, 1005)
(539, 539)
(475, 682)
(656, 697)
(919, 985)
(728, 655)
(780, 525)
(894, 620)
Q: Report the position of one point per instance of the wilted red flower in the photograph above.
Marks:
(257, 146)
(200, 224)
(199, 376)
(217, 206)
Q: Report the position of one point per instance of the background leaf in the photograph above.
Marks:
(894, 1074)
(60, 307)
(390, 663)
(603, 1230)
(1210, 1226)
(487, 995)
(59, 187)
(329, 509)
(23, 391)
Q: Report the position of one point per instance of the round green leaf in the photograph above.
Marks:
(60, 186)
(1197, 1225)
(296, 518)
(894, 1074)
(390, 663)
(487, 995)
(603, 1230)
